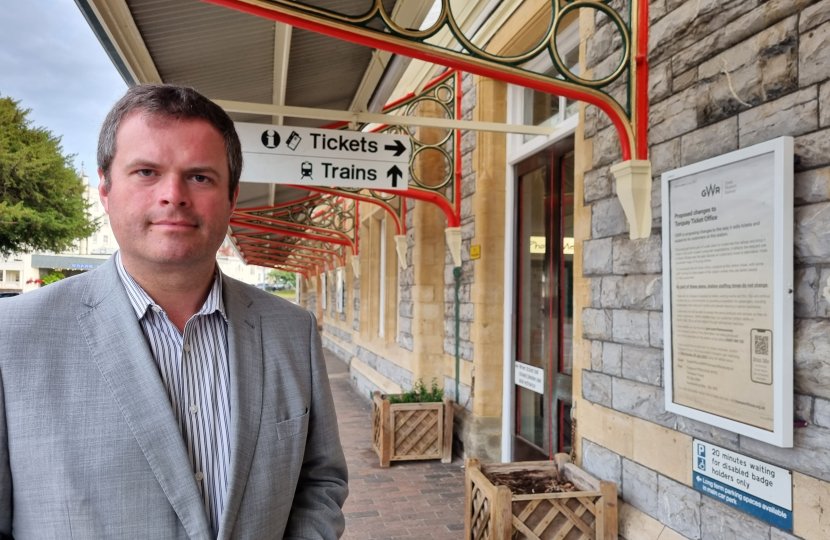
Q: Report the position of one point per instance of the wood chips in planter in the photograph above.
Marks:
(530, 482)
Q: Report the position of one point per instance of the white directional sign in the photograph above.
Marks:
(323, 157)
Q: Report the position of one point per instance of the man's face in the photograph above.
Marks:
(168, 200)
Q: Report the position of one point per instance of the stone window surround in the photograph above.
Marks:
(372, 219)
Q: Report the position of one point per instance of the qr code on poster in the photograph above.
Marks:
(761, 345)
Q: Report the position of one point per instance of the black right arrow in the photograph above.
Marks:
(395, 173)
(398, 148)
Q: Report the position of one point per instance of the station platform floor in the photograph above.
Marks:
(411, 500)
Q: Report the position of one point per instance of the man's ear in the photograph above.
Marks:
(102, 190)
(235, 197)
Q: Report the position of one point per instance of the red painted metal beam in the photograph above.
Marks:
(453, 219)
(265, 256)
(269, 264)
(361, 198)
(288, 250)
(275, 243)
(336, 255)
(271, 251)
(263, 261)
(278, 206)
(289, 232)
(279, 223)
(277, 260)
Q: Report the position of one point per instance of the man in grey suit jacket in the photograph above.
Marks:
(154, 397)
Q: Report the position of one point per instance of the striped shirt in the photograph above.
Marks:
(194, 369)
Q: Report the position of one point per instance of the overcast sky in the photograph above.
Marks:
(54, 65)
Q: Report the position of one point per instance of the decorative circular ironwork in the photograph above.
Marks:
(382, 196)
(375, 23)
(445, 93)
(448, 176)
(442, 92)
(447, 114)
(600, 6)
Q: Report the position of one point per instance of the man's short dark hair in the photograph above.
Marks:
(169, 101)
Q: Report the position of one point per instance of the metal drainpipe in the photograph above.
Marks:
(457, 273)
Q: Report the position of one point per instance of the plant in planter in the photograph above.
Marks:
(537, 500)
(413, 425)
(420, 394)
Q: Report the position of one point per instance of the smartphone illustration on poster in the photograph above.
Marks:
(760, 354)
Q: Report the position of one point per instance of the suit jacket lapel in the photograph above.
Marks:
(120, 349)
(246, 370)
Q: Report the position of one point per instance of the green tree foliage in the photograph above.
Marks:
(281, 276)
(53, 277)
(42, 207)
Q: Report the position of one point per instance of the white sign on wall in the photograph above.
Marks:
(728, 284)
(530, 377)
(750, 485)
(276, 154)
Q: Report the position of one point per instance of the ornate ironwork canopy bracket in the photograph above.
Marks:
(375, 28)
(443, 94)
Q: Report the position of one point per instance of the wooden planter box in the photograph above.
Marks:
(495, 513)
(405, 431)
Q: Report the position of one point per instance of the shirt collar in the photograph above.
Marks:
(141, 301)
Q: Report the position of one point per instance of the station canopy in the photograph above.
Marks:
(232, 56)
(261, 70)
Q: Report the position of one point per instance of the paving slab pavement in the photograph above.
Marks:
(411, 500)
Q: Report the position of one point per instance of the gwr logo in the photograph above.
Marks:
(270, 138)
(710, 190)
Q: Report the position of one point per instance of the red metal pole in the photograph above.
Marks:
(642, 81)
(458, 116)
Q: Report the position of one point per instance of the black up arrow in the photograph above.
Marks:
(395, 173)
(398, 148)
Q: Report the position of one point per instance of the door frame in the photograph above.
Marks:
(517, 151)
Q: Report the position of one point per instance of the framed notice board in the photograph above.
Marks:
(728, 285)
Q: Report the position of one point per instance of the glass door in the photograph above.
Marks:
(544, 293)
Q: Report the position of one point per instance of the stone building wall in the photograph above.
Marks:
(331, 295)
(311, 302)
(726, 74)
(406, 280)
(468, 224)
(375, 369)
(340, 347)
